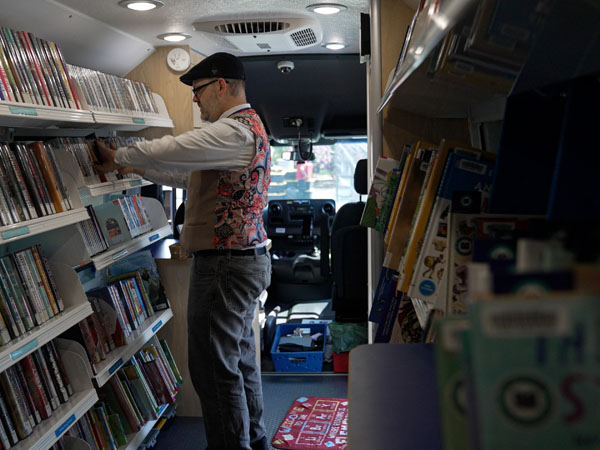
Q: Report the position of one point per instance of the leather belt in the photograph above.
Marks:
(233, 252)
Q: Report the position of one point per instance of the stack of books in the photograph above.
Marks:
(30, 391)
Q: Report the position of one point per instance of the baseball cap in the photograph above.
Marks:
(217, 65)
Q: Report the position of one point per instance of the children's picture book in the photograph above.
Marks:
(463, 174)
(535, 371)
(378, 191)
(143, 262)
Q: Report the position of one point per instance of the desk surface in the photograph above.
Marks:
(393, 400)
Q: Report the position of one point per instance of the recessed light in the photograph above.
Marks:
(174, 37)
(141, 5)
(326, 8)
(335, 45)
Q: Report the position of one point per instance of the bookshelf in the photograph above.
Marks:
(59, 238)
(122, 354)
(541, 121)
(50, 430)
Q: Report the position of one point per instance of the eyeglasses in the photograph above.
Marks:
(196, 90)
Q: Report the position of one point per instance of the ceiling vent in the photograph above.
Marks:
(266, 35)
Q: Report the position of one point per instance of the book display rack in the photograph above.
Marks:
(50, 235)
(490, 245)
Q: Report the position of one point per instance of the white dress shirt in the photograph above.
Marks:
(224, 144)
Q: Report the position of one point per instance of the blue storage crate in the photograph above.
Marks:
(298, 361)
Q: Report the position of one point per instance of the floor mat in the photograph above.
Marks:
(314, 423)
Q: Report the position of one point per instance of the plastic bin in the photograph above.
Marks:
(298, 361)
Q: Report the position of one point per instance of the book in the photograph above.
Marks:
(112, 223)
(429, 278)
(377, 191)
(534, 366)
(49, 175)
(415, 176)
(143, 262)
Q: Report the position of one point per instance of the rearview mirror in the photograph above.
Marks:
(295, 156)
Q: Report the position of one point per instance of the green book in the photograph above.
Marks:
(451, 382)
(536, 372)
(114, 422)
(169, 355)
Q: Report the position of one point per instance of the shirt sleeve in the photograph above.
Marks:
(173, 179)
(223, 145)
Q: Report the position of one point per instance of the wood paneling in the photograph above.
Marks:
(165, 82)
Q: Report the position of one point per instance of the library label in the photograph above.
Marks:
(8, 234)
(136, 183)
(157, 326)
(23, 110)
(153, 237)
(66, 424)
(24, 350)
(115, 366)
(138, 120)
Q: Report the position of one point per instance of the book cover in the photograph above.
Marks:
(50, 177)
(535, 369)
(114, 323)
(172, 363)
(430, 274)
(15, 294)
(16, 405)
(143, 262)
(451, 383)
(27, 395)
(377, 191)
(35, 386)
(112, 223)
(408, 203)
(46, 378)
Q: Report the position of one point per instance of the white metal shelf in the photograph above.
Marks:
(135, 439)
(26, 115)
(108, 257)
(50, 430)
(96, 190)
(76, 309)
(10, 233)
(121, 355)
(22, 346)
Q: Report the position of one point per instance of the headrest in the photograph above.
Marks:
(360, 177)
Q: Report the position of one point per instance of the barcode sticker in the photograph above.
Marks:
(472, 166)
(512, 321)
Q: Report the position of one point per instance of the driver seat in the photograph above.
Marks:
(349, 258)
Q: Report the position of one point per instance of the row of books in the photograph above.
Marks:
(30, 391)
(485, 49)
(131, 398)
(416, 194)
(110, 93)
(120, 307)
(114, 222)
(28, 295)
(30, 183)
(33, 71)
(520, 372)
(84, 152)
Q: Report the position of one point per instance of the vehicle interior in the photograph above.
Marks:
(311, 99)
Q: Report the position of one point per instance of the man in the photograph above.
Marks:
(225, 167)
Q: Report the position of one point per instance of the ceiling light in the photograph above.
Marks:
(335, 45)
(326, 8)
(174, 37)
(141, 5)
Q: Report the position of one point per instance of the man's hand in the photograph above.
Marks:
(107, 156)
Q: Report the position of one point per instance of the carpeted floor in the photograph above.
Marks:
(187, 433)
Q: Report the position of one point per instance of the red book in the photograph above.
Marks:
(35, 387)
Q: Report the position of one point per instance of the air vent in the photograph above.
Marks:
(251, 27)
(260, 35)
(304, 37)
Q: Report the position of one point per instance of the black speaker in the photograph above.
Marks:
(365, 35)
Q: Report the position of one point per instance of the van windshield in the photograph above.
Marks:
(329, 176)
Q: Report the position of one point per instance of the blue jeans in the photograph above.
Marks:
(221, 352)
